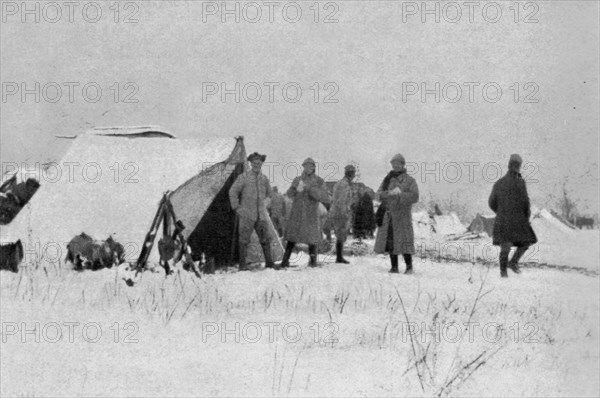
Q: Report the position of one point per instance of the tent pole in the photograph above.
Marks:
(150, 236)
(177, 233)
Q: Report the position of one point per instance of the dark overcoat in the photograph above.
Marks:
(364, 216)
(510, 202)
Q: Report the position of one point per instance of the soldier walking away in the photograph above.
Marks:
(340, 213)
(277, 210)
(303, 226)
(510, 202)
(398, 192)
(247, 196)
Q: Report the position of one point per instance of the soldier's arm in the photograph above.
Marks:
(351, 196)
(381, 193)
(291, 192)
(527, 203)
(412, 195)
(268, 189)
(319, 193)
(337, 193)
(493, 200)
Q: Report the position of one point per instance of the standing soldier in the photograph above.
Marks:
(510, 202)
(303, 225)
(277, 210)
(247, 196)
(398, 192)
(340, 213)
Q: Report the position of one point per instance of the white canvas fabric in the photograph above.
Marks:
(422, 225)
(112, 184)
(449, 224)
(546, 225)
(482, 224)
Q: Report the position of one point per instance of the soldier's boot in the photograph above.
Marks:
(514, 261)
(210, 265)
(408, 261)
(514, 267)
(503, 262)
(394, 261)
(503, 273)
(312, 253)
(339, 251)
(503, 259)
(268, 257)
(242, 262)
(286, 256)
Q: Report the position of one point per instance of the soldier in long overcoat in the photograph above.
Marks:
(398, 192)
(340, 213)
(510, 202)
(247, 196)
(303, 226)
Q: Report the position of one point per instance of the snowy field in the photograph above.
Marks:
(577, 250)
(454, 328)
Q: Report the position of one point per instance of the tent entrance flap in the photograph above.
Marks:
(215, 233)
(202, 206)
(201, 213)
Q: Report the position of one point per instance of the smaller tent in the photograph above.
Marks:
(358, 189)
(551, 231)
(482, 224)
(562, 219)
(422, 225)
(449, 224)
(553, 221)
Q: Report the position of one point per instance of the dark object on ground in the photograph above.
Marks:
(587, 222)
(86, 253)
(364, 218)
(13, 197)
(10, 256)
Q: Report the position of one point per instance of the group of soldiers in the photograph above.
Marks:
(398, 191)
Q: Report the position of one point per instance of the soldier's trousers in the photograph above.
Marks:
(505, 250)
(278, 223)
(341, 225)
(247, 226)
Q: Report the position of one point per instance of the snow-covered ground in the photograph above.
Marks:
(452, 328)
(576, 249)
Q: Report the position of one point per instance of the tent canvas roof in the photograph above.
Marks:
(422, 225)
(449, 224)
(483, 223)
(548, 224)
(112, 185)
(20, 172)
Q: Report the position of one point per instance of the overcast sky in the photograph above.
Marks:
(367, 62)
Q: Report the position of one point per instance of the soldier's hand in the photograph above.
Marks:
(300, 186)
(396, 191)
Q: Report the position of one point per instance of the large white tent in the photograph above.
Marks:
(111, 181)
